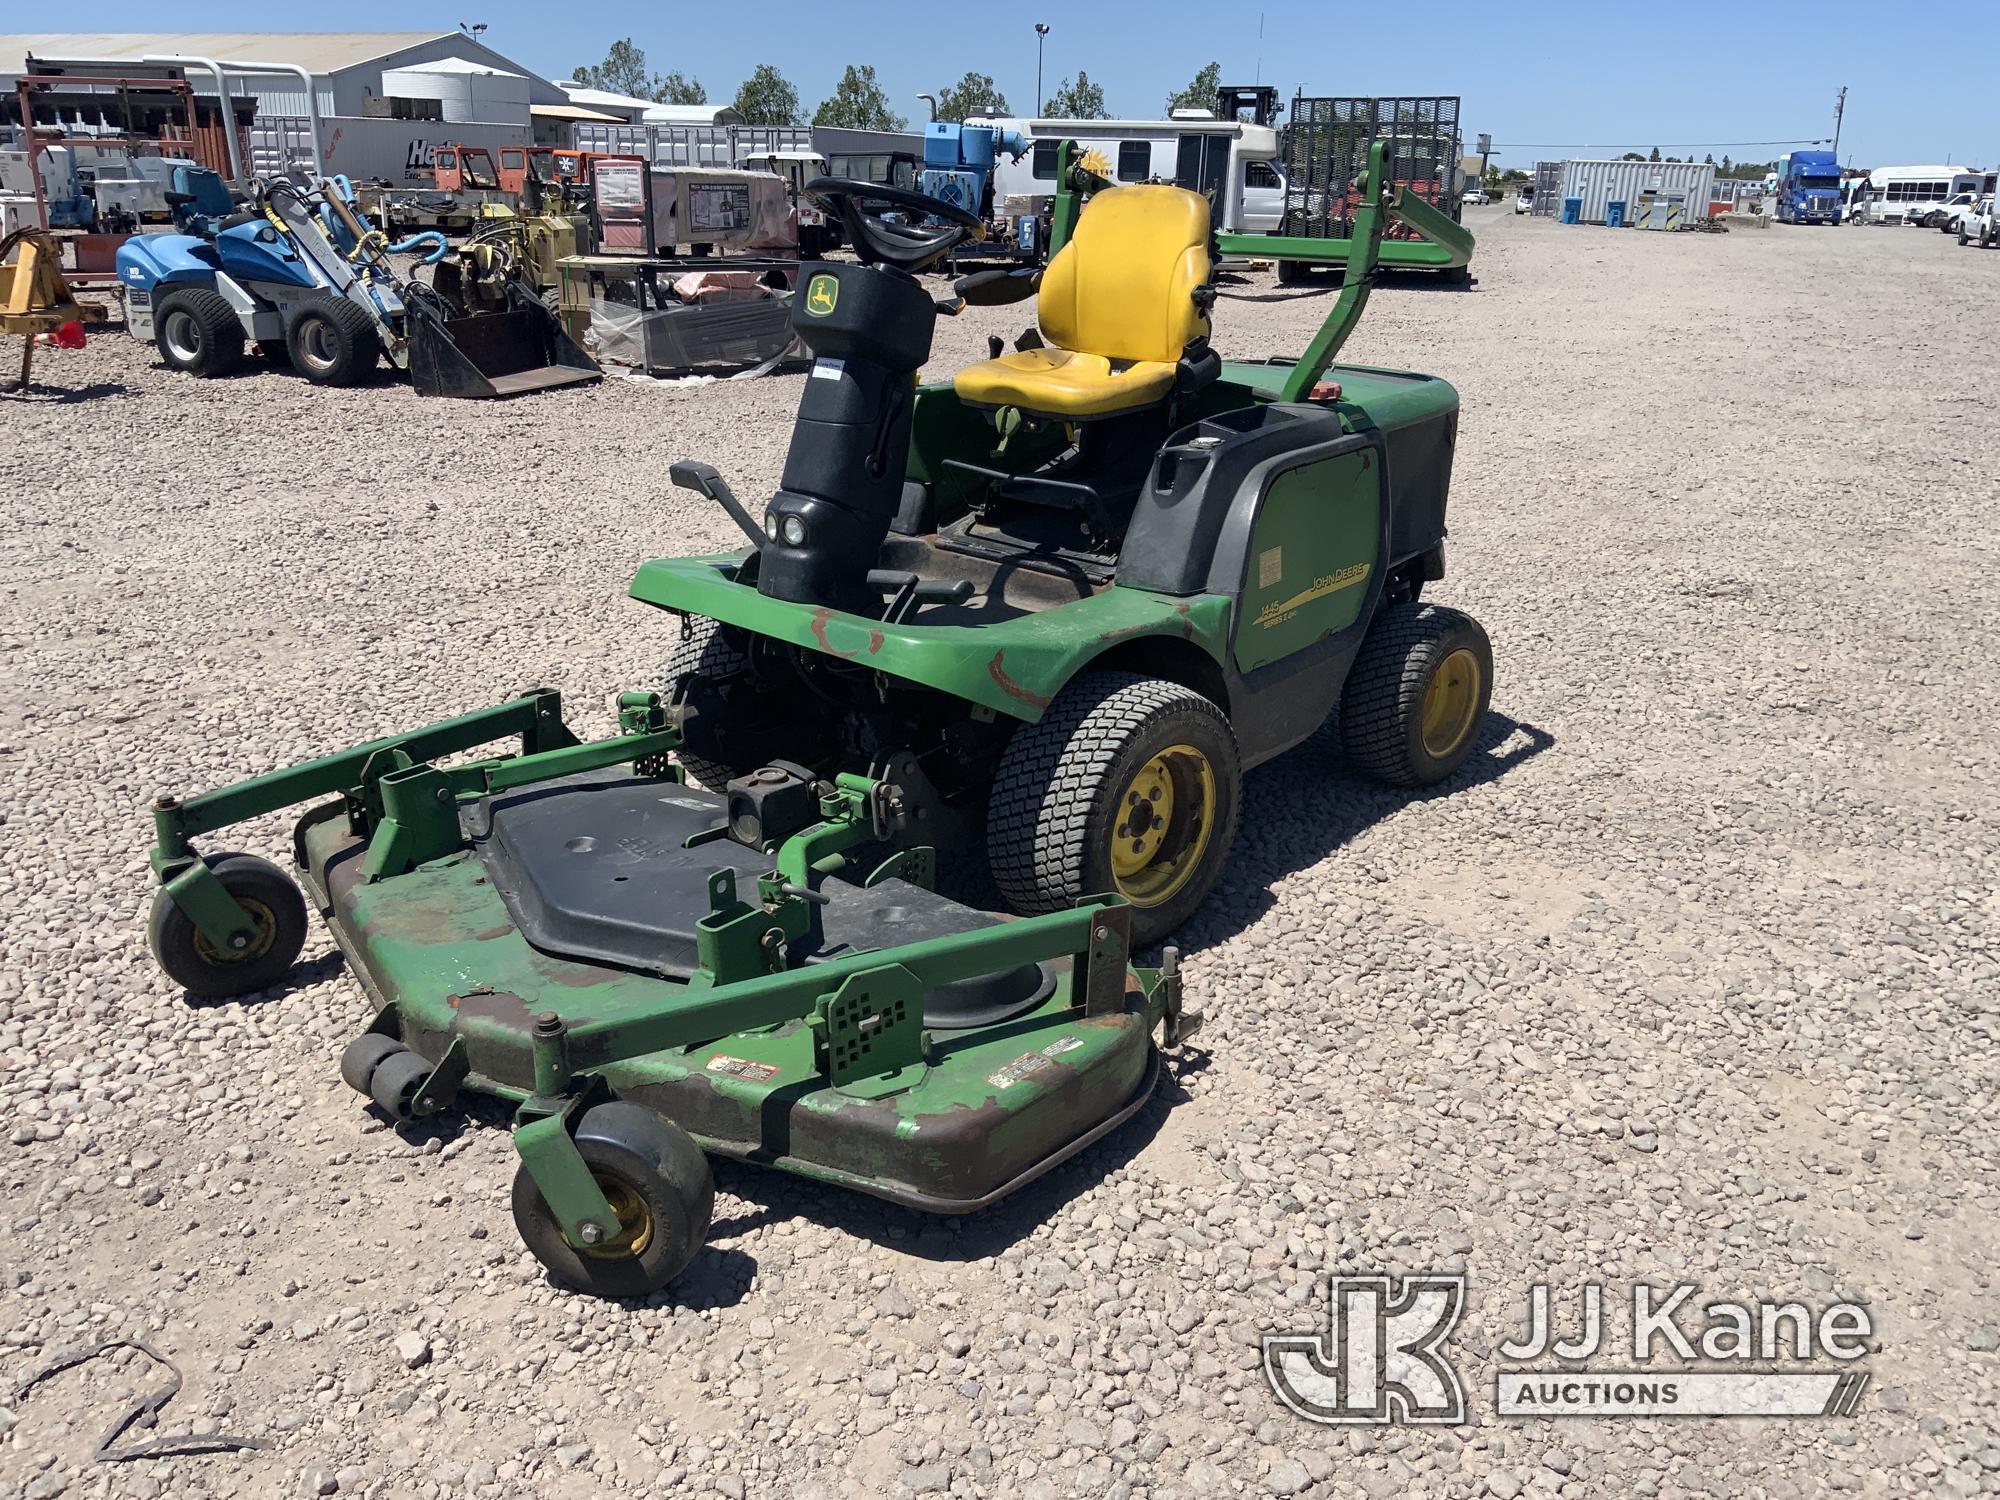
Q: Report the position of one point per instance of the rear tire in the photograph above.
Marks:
(198, 332)
(655, 1177)
(1417, 695)
(332, 342)
(1114, 747)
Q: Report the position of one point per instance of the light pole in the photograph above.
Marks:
(1041, 35)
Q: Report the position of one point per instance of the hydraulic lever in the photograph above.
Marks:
(912, 592)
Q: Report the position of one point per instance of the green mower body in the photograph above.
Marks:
(1261, 545)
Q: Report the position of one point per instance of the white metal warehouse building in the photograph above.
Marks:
(348, 68)
(387, 100)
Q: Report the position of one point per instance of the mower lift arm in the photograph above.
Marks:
(535, 716)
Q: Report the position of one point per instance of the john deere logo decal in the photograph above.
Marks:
(822, 292)
(1281, 610)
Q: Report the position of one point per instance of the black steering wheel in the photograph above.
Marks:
(877, 240)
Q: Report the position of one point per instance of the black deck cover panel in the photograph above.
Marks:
(594, 867)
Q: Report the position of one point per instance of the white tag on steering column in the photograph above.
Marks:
(829, 369)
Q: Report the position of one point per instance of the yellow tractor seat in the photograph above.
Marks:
(1060, 383)
(1120, 307)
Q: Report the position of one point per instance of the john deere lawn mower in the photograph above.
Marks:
(1057, 604)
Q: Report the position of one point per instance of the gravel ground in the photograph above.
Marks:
(1691, 977)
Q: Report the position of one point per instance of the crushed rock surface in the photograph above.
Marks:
(1691, 977)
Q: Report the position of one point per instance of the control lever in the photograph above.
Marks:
(912, 591)
(949, 307)
(691, 474)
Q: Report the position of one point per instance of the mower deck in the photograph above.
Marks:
(594, 870)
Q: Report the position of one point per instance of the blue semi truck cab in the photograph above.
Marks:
(1809, 188)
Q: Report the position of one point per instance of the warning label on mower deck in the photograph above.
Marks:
(742, 1067)
(1032, 1063)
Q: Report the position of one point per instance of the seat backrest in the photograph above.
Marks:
(1123, 286)
(206, 189)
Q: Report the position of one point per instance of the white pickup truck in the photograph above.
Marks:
(1979, 224)
(1954, 208)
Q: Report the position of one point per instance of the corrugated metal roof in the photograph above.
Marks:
(601, 98)
(316, 51)
(574, 112)
(453, 65)
(691, 114)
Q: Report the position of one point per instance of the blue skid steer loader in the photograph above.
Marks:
(304, 278)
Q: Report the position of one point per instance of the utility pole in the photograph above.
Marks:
(1839, 109)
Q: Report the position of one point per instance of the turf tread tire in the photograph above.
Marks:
(219, 329)
(704, 653)
(1381, 705)
(356, 347)
(1054, 772)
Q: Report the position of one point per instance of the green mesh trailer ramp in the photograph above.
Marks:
(1325, 142)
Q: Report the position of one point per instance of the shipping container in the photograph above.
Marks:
(693, 145)
(1602, 183)
(1548, 189)
(396, 153)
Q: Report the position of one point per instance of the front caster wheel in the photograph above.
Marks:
(657, 1182)
(276, 909)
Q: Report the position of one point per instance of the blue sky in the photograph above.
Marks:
(1574, 76)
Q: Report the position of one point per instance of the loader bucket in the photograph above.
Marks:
(488, 354)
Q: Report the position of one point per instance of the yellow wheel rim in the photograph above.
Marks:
(266, 922)
(635, 1222)
(1162, 825)
(1450, 702)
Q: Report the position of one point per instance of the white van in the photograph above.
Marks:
(1907, 195)
(1233, 160)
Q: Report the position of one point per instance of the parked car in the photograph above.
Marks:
(1524, 201)
(1476, 196)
